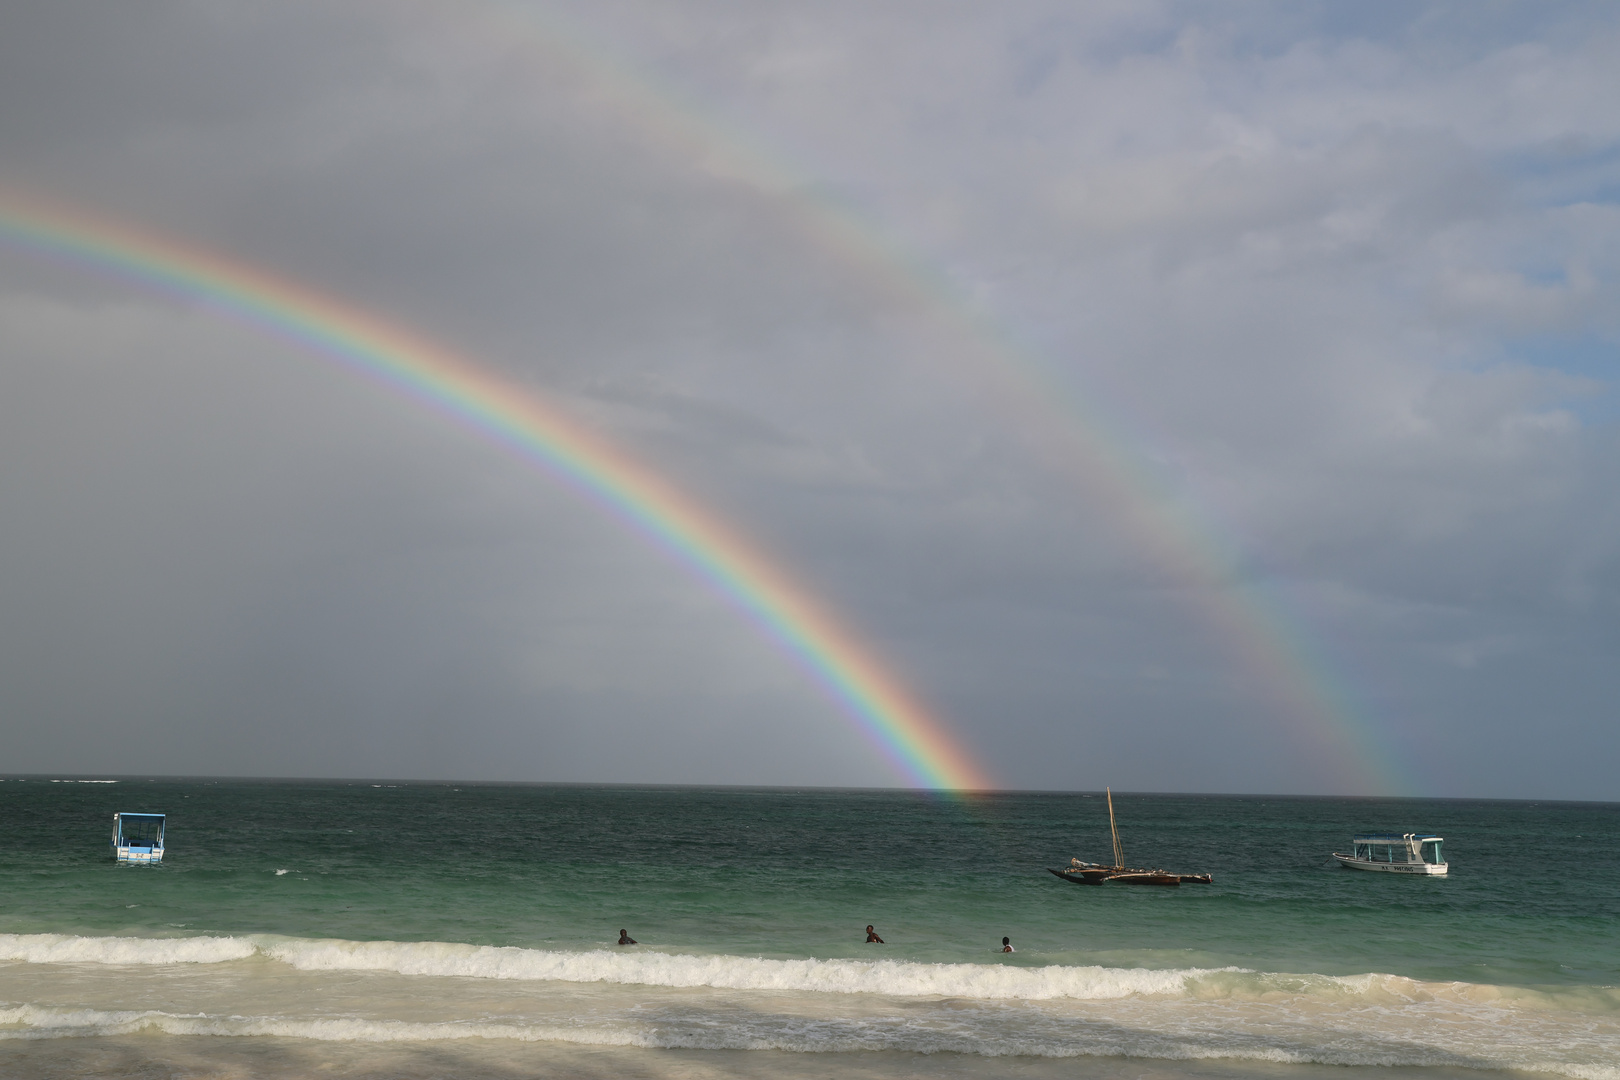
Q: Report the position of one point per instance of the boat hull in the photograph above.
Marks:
(1149, 878)
(1102, 875)
(1422, 869)
(143, 856)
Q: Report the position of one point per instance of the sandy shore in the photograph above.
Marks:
(169, 1057)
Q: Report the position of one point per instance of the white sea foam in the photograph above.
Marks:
(649, 968)
(895, 978)
(984, 1009)
(765, 1032)
(72, 949)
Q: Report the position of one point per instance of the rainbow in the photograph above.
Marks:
(916, 743)
(1253, 622)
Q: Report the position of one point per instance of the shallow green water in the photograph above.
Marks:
(1533, 897)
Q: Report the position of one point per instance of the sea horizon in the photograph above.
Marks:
(631, 785)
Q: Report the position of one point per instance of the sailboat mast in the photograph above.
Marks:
(1119, 855)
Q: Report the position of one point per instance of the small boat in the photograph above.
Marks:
(138, 838)
(1406, 853)
(1089, 873)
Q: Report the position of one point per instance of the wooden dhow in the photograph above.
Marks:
(1088, 873)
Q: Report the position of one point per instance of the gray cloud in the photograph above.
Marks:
(1346, 290)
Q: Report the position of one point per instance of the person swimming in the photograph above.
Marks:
(1006, 945)
(625, 938)
(871, 936)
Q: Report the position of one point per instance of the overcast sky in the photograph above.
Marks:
(1042, 341)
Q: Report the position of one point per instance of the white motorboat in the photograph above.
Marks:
(1406, 853)
(138, 838)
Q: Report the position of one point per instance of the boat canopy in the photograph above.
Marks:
(1398, 848)
(139, 830)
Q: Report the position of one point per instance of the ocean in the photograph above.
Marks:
(433, 929)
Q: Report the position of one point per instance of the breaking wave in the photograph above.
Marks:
(436, 958)
(73, 949)
(891, 977)
(894, 978)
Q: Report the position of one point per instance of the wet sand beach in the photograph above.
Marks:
(146, 1057)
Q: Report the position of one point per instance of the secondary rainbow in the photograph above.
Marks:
(913, 740)
(1254, 623)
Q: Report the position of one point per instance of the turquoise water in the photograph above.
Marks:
(715, 882)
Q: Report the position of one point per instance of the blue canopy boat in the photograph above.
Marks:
(138, 838)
